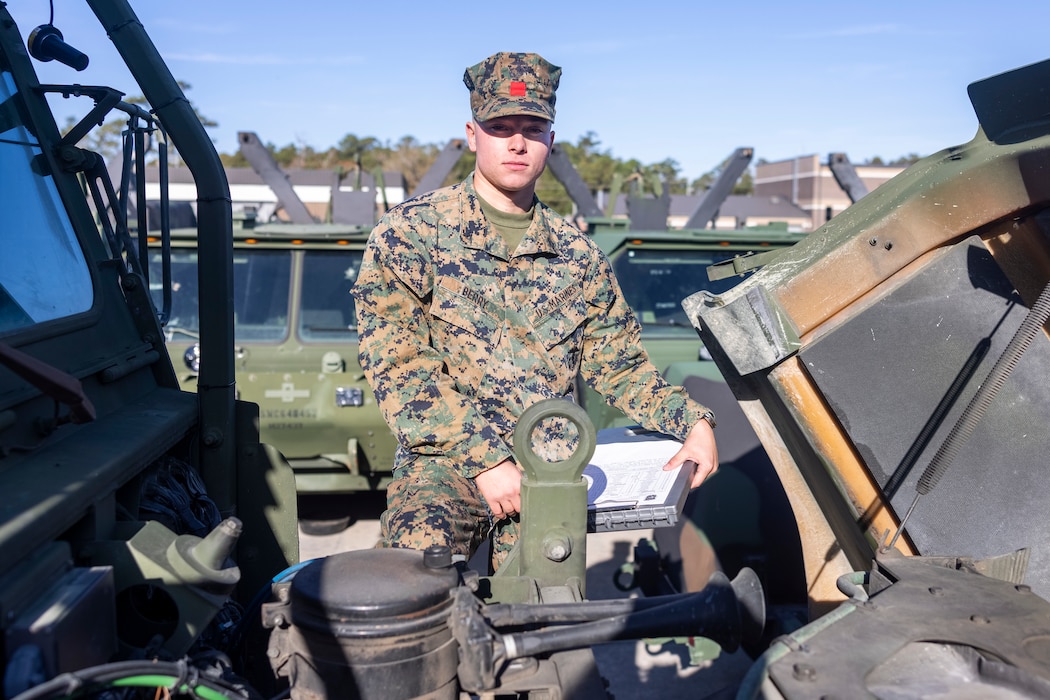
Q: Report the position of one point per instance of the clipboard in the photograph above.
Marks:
(627, 488)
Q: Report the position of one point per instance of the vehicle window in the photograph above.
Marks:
(327, 311)
(43, 273)
(185, 314)
(261, 280)
(655, 282)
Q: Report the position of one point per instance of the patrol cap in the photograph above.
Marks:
(507, 84)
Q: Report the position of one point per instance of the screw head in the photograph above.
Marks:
(557, 552)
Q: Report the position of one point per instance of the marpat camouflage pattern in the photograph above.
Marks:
(458, 337)
(508, 84)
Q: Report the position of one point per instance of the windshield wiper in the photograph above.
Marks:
(329, 329)
(669, 323)
(172, 330)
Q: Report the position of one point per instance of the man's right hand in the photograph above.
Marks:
(501, 488)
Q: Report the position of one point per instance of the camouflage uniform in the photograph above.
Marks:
(458, 336)
(511, 84)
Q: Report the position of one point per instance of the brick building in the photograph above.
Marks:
(807, 181)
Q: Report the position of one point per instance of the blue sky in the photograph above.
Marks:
(689, 81)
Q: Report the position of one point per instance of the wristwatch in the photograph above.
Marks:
(709, 416)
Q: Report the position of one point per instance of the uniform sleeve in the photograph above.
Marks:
(416, 396)
(615, 364)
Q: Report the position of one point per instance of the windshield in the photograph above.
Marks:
(655, 281)
(43, 274)
(261, 281)
(327, 307)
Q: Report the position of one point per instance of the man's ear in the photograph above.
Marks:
(472, 141)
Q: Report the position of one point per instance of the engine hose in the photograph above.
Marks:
(261, 597)
(852, 585)
(971, 416)
(178, 676)
(756, 683)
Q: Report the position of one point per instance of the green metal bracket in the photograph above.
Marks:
(552, 548)
(739, 265)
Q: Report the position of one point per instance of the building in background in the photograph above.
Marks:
(742, 211)
(800, 192)
(320, 191)
(736, 212)
(807, 182)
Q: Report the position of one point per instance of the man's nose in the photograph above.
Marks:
(516, 143)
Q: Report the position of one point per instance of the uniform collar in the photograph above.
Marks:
(479, 235)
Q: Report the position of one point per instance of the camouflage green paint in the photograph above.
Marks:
(458, 337)
(507, 84)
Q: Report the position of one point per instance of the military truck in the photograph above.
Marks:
(656, 269)
(124, 498)
(295, 346)
(894, 364)
(295, 334)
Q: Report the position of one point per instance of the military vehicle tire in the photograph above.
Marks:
(320, 528)
(324, 514)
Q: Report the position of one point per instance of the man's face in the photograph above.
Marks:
(511, 153)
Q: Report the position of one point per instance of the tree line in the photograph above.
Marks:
(597, 166)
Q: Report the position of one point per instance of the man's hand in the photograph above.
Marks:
(501, 488)
(700, 448)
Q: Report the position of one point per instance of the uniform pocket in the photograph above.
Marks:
(563, 322)
(460, 309)
(466, 332)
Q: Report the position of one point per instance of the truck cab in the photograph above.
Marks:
(126, 500)
(295, 346)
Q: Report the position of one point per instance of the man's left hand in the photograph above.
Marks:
(700, 448)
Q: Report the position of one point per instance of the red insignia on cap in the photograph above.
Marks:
(517, 88)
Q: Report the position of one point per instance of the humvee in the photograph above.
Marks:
(894, 364)
(295, 346)
(124, 498)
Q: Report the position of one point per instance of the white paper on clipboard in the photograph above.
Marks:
(628, 489)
